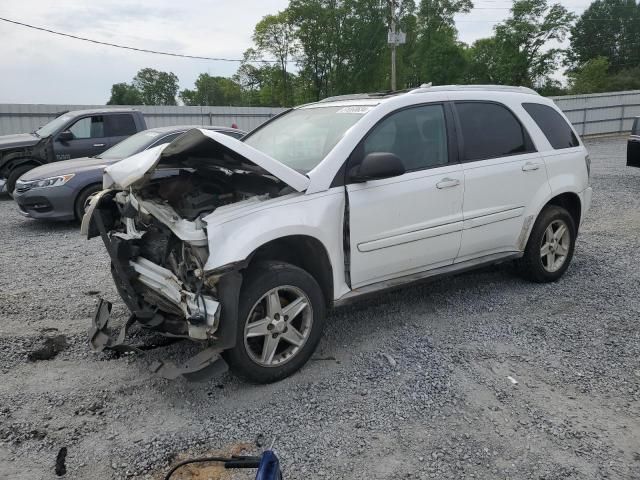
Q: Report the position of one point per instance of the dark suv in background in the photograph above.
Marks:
(81, 133)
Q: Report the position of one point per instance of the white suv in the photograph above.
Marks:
(244, 244)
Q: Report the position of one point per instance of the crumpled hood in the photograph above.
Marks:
(18, 140)
(195, 148)
(64, 167)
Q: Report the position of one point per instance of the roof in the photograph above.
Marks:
(379, 96)
(474, 88)
(92, 111)
(174, 128)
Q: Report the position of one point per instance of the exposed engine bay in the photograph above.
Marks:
(162, 224)
(152, 217)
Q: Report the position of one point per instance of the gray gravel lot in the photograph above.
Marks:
(412, 385)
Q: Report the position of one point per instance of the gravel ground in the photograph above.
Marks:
(412, 385)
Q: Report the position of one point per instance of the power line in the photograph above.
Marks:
(135, 49)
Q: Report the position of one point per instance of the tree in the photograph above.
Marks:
(124, 94)
(439, 55)
(342, 45)
(275, 35)
(213, 91)
(592, 77)
(156, 87)
(608, 29)
(520, 50)
(483, 62)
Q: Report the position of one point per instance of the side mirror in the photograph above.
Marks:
(376, 166)
(65, 136)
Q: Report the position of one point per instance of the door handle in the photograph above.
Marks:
(99, 144)
(447, 183)
(530, 167)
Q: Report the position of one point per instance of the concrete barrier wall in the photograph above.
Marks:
(601, 113)
(594, 114)
(20, 118)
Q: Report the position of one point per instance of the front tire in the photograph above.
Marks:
(280, 322)
(550, 247)
(14, 175)
(82, 199)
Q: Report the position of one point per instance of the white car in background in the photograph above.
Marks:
(329, 202)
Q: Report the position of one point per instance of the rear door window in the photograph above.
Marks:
(120, 125)
(490, 130)
(554, 127)
(635, 130)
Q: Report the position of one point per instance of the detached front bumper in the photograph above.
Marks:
(205, 318)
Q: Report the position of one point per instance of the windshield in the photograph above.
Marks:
(302, 138)
(53, 126)
(130, 146)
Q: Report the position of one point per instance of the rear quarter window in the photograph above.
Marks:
(554, 127)
(120, 125)
(635, 130)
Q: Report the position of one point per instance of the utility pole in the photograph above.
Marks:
(394, 38)
(394, 44)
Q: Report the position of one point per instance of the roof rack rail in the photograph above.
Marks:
(494, 88)
(360, 96)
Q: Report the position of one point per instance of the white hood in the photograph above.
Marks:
(194, 148)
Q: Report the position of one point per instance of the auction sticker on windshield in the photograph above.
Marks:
(355, 109)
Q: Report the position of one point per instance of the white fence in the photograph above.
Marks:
(601, 113)
(594, 114)
(20, 118)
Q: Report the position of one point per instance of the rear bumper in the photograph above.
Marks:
(585, 201)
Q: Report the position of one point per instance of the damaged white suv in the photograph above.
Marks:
(244, 244)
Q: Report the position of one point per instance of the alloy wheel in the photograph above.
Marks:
(556, 242)
(278, 325)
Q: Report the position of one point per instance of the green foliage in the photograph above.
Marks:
(517, 54)
(340, 46)
(213, 91)
(608, 29)
(124, 94)
(595, 76)
(275, 35)
(439, 56)
(592, 77)
(156, 87)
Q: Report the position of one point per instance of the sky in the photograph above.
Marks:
(38, 67)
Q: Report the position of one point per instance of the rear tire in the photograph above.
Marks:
(550, 247)
(15, 174)
(82, 198)
(280, 322)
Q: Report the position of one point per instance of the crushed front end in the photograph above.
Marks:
(154, 230)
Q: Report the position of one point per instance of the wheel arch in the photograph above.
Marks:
(81, 192)
(303, 251)
(571, 202)
(11, 163)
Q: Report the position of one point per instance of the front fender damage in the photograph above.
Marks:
(211, 321)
